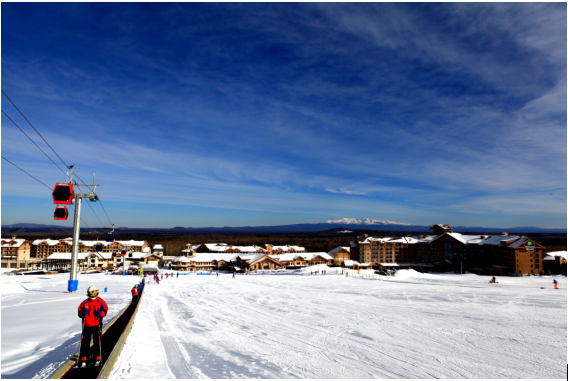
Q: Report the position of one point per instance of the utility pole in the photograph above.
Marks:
(73, 281)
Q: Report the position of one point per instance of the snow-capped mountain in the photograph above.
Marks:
(362, 221)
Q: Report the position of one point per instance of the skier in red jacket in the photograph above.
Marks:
(92, 311)
(134, 294)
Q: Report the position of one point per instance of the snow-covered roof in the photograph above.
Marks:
(286, 248)
(497, 239)
(287, 257)
(158, 246)
(93, 243)
(138, 255)
(50, 242)
(310, 256)
(249, 257)
(466, 239)
(247, 249)
(131, 243)
(13, 242)
(349, 262)
(67, 256)
(217, 247)
(558, 254)
(517, 243)
(337, 249)
(206, 257)
(548, 258)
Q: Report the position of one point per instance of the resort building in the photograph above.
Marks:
(499, 254)
(43, 248)
(16, 254)
(242, 262)
(340, 254)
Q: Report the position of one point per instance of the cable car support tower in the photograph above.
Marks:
(92, 196)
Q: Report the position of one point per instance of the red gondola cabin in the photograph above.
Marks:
(63, 194)
(60, 213)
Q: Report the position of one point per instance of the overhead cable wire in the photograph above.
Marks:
(103, 225)
(42, 184)
(21, 113)
(33, 142)
(27, 173)
(99, 200)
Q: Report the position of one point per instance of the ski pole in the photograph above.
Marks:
(101, 339)
(82, 333)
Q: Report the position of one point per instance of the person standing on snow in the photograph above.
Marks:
(134, 294)
(555, 284)
(92, 311)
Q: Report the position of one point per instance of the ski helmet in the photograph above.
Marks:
(93, 291)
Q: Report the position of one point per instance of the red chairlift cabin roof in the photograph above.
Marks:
(63, 194)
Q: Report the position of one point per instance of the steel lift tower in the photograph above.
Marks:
(63, 193)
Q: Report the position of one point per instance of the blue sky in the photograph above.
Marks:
(265, 114)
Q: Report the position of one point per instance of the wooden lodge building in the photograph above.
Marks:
(192, 261)
(446, 251)
(56, 254)
(16, 254)
(268, 249)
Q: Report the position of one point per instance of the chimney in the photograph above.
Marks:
(366, 235)
(13, 237)
(506, 234)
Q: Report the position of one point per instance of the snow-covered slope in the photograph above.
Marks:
(362, 221)
(300, 326)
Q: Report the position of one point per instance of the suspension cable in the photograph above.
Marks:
(21, 113)
(33, 141)
(42, 184)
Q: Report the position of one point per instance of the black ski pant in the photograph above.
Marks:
(89, 332)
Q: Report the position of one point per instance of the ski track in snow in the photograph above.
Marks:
(337, 327)
(289, 326)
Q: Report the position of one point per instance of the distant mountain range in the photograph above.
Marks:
(351, 223)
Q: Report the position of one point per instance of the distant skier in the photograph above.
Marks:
(555, 284)
(233, 274)
(92, 311)
(493, 280)
(177, 275)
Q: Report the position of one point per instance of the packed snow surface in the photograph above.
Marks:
(284, 325)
